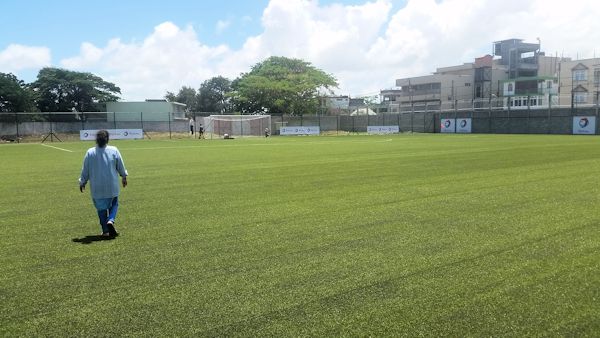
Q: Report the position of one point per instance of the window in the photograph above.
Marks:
(597, 77)
(533, 101)
(517, 102)
(467, 84)
(549, 84)
(510, 87)
(580, 97)
(580, 75)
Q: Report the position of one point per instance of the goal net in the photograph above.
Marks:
(236, 125)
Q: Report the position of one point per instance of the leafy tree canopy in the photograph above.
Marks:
(214, 95)
(281, 85)
(187, 96)
(60, 90)
(15, 96)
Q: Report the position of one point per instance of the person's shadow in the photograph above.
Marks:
(92, 238)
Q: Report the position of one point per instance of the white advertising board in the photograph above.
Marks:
(463, 126)
(383, 129)
(584, 125)
(114, 134)
(310, 130)
(448, 126)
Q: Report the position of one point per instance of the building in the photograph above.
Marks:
(335, 105)
(149, 110)
(520, 76)
(454, 87)
(519, 58)
(579, 82)
(390, 98)
(532, 76)
(532, 92)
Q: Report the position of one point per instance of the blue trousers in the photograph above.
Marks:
(107, 210)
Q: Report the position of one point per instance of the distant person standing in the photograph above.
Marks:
(102, 166)
(200, 131)
(192, 126)
(267, 132)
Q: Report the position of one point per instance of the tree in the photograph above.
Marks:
(214, 96)
(187, 96)
(60, 90)
(15, 96)
(281, 85)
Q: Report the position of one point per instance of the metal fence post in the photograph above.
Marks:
(508, 114)
(490, 116)
(549, 113)
(115, 119)
(17, 126)
(319, 118)
(51, 128)
(528, 114)
(169, 118)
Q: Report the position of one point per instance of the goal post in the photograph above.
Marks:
(236, 125)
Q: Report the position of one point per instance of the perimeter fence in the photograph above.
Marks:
(39, 127)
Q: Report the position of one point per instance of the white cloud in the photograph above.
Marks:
(222, 25)
(365, 46)
(164, 61)
(15, 58)
(89, 56)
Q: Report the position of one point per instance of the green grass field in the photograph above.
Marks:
(406, 235)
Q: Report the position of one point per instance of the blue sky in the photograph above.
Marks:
(149, 47)
(64, 24)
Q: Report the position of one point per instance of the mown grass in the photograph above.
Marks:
(453, 235)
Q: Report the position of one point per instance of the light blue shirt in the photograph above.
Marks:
(102, 167)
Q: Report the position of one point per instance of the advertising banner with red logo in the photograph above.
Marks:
(448, 126)
(584, 125)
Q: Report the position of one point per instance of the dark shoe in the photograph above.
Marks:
(111, 229)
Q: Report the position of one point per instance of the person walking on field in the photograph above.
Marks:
(102, 166)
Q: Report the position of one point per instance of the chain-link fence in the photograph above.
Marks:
(66, 126)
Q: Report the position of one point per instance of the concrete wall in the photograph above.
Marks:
(43, 128)
(151, 111)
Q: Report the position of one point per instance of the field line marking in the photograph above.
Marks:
(67, 150)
